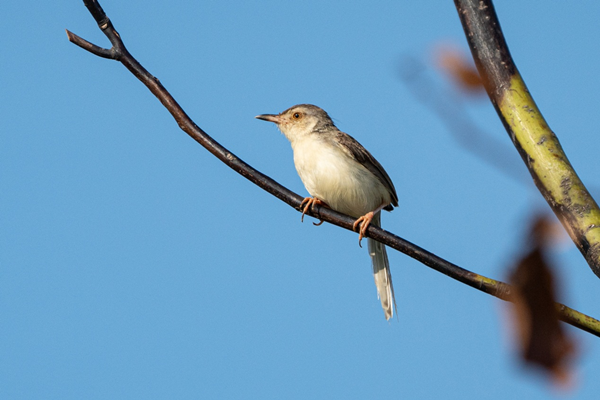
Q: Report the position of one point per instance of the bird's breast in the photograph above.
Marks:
(331, 175)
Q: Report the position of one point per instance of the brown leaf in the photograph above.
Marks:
(541, 336)
(460, 69)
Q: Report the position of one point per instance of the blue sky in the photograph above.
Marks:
(133, 264)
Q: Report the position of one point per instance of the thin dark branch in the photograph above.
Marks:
(487, 285)
(92, 48)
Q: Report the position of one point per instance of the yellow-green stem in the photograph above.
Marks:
(548, 164)
(538, 145)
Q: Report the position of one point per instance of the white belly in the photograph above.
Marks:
(332, 176)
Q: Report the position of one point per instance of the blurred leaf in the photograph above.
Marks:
(540, 335)
(450, 107)
(460, 68)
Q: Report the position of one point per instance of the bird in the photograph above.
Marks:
(341, 174)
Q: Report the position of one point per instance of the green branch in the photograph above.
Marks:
(538, 145)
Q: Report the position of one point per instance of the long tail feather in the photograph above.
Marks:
(381, 273)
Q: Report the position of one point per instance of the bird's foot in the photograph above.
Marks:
(310, 202)
(364, 222)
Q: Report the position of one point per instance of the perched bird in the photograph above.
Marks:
(341, 174)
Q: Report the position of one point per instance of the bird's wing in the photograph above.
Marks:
(361, 155)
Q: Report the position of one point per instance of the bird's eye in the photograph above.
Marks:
(297, 115)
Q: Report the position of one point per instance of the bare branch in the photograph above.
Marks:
(92, 48)
(537, 144)
(479, 282)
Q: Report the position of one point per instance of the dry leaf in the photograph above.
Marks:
(541, 336)
(460, 69)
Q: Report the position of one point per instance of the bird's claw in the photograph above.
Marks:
(364, 223)
(309, 202)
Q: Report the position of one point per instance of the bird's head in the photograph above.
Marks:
(300, 120)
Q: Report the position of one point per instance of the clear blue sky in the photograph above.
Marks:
(134, 265)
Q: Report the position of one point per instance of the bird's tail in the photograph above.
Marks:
(381, 273)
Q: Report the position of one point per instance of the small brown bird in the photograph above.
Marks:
(340, 173)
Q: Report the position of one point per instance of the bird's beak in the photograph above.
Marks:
(269, 117)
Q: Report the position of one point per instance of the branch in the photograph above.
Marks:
(118, 52)
(537, 144)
